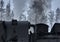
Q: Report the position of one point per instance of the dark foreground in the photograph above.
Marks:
(17, 31)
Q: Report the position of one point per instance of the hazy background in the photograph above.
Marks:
(55, 4)
(18, 5)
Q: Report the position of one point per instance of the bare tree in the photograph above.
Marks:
(58, 15)
(22, 17)
(8, 11)
(1, 8)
